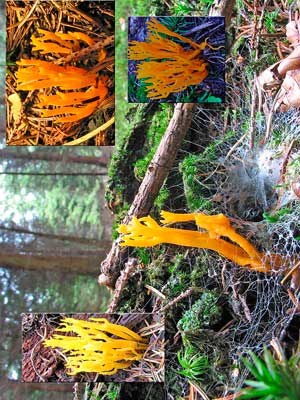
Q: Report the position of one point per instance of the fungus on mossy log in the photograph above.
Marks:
(92, 350)
(167, 67)
(145, 232)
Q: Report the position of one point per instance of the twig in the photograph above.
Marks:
(78, 55)
(130, 266)
(291, 271)
(91, 134)
(177, 299)
(252, 114)
(199, 390)
(241, 139)
(270, 117)
(231, 396)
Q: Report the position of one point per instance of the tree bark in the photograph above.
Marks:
(154, 178)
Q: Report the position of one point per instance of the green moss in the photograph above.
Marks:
(156, 272)
(155, 132)
(121, 214)
(144, 255)
(161, 198)
(195, 166)
(197, 196)
(122, 185)
(204, 313)
(186, 7)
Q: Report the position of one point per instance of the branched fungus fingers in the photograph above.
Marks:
(92, 350)
(71, 105)
(166, 66)
(145, 232)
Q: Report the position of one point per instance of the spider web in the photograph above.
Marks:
(243, 185)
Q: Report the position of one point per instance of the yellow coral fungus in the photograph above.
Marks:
(67, 100)
(92, 350)
(63, 43)
(167, 67)
(37, 74)
(145, 232)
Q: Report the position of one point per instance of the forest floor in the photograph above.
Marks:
(242, 159)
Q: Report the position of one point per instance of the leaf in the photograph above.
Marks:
(16, 107)
(290, 92)
(293, 32)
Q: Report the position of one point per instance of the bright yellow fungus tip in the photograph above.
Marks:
(145, 232)
(93, 350)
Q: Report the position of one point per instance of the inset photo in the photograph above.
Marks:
(92, 348)
(60, 73)
(176, 59)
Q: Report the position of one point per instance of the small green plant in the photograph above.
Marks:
(162, 197)
(193, 365)
(113, 393)
(273, 218)
(274, 380)
(270, 19)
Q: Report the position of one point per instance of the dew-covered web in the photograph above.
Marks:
(250, 187)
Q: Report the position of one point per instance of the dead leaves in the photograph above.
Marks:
(16, 112)
(289, 95)
(284, 76)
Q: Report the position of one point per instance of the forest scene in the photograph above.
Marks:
(199, 222)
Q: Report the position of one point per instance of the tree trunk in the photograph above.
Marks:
(40, 155)
(86, 264)
(67, 238)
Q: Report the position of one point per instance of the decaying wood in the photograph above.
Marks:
(154, 178)
(223, 8)
(126, 273)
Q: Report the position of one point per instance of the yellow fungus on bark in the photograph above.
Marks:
(145, 232)
(93, 349)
